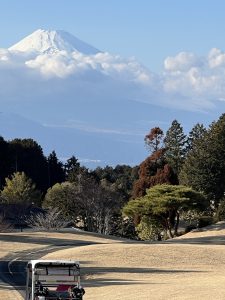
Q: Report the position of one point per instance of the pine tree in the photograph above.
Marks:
(163, 204)
(197, 133)
(72, 169)
(204, 167)
(5, 161)
(175, 142)
(55, 169)
(28, 157)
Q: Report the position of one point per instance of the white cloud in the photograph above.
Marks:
(52, 65)
(81, 160)
(198, 80)
(216, 58)
(84, 126)
(188, 82)
(63, 64)
(181, 62)
(88, 160)
(4, 54)
(104, 91)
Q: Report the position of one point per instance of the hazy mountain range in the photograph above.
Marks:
(77, 100)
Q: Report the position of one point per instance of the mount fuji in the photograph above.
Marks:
(46, 41)
(77, 100)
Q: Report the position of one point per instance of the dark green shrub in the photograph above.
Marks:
(220, 213)
(190, 228)
(204, 221)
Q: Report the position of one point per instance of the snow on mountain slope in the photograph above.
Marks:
(60, 54)
(46, 41)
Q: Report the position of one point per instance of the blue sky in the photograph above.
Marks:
(181, 42)
(149, 30)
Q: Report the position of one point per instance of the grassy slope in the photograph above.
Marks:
(189, 267)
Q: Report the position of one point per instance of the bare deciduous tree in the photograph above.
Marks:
(52, 219)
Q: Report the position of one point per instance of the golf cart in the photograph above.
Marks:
(53, 280)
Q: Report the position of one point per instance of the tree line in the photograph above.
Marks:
(182, 179)
(91, 199)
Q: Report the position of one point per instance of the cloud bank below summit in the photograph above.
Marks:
(187, 82)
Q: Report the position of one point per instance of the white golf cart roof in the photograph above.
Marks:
(55, 263)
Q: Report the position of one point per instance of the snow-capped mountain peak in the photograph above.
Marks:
(46, 41)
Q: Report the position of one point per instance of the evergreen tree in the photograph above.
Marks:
(72, 169)
(175, 143)
(55, 169)
(5, 161)
(198, 132)
(121, 178)
(28, 157)
(20, 189)
(204, 167)
(20, 192)
(163, 205)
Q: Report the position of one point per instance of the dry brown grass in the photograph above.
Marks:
(190, 267)
(15, 247)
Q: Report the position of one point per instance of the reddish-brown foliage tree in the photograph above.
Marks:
(153, 139)
(153, 170)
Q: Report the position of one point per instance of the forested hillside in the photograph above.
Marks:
(181, 181)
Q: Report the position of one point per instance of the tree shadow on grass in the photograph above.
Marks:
(204, 240)
(214, 227)
(98, 282)
(44, 240)
(89, 272)
(216, 240)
